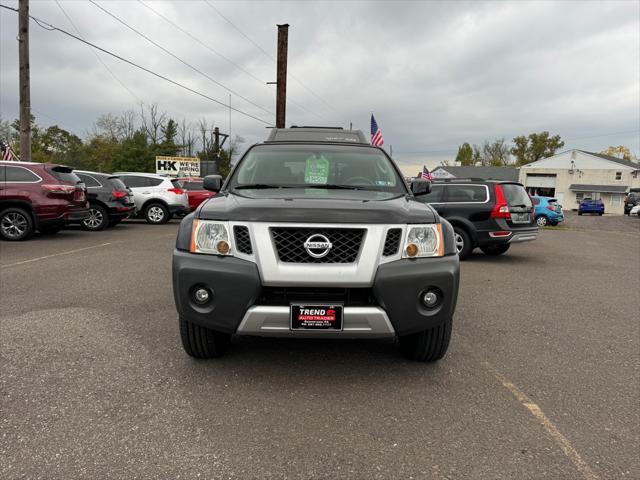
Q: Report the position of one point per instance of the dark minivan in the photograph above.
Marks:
(489, 214)
(110, 201)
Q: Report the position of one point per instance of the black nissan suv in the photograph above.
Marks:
(315, 235)
(489, 214)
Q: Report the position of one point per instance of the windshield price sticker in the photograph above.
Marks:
(316, 170)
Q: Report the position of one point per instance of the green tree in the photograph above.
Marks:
(536, 146)
(168, 145)
(57, 145)
(465, 155)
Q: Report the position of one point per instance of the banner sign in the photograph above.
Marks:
(178, 166)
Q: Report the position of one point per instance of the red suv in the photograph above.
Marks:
(39, 196)
(195, 191)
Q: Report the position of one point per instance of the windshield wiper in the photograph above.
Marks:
(258, 186)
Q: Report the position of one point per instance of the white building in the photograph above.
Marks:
(575, 174)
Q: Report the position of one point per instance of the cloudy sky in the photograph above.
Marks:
(435, 74)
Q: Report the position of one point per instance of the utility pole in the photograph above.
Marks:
(216, 141)
(25, 88)
(281, 95)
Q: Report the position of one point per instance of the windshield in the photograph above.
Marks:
(317, 166)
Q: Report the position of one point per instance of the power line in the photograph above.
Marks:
(178, 58)
(214, 51)
(50, 27)
(98, 56)
(268, 55)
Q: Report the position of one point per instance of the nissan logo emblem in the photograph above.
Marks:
(317, 246)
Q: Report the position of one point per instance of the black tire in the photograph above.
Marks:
(50, 229)
(579, 213)
(493, 250)
(15, 224)
(553, 224)
(463, 242)
(541, 221)
(200, 342)
(156, 214)
(601, 213)
(429, 345)
(97, 220)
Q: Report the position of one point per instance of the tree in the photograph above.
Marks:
(465, 155)
(168, 145)
(491, 154)
(57, 145)
(536, 146)
(620, 151)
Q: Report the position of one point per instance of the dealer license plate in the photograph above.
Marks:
(316, 317)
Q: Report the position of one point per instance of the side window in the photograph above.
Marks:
(153, 182)
(88, 180)
(19, 174)
(3, 174)
(434, 196)
(466, 194)
(618, 175)
(133, 181)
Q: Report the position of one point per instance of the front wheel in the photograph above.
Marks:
(97, 219)
(200, 342)
(15, 224)
(429, 345)
(494, 250)
(156, 213)
(542, 221)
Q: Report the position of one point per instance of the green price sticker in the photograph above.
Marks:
(316, 170)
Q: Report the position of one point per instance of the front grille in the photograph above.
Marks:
(392, 242)
(345, 244)
(243, 240)
(350, 297)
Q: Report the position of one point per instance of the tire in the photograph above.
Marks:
(97, 220)
(114, 221)
(200, 342)
(15, 224)
(600, 213)
(463, 242)
(493, 250)
(579, 213)
(429, 345)
(553, 224)
(50, 229)
(156, 214)
(542, 221)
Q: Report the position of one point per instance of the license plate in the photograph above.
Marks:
(316, 317)
(520, 217)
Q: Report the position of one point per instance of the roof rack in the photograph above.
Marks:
(314, 126)
(463, 179)
(316, 134)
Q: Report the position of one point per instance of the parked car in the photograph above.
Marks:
(195, 191)
(547, 211)
(156, 198)
(110, 201)
(589, 205)
(631, 200)
(316, 235)
(489, 214)
(39, 196)
(635, 210)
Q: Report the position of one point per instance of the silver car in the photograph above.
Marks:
(157, 198)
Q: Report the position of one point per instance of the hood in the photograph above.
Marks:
(316, 206)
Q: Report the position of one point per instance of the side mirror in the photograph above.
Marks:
(420, 186)
(212, 183)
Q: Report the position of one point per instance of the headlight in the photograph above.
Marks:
(423, 241)
(210, 237)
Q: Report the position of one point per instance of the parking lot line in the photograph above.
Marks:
(68, 252)
(548, 425)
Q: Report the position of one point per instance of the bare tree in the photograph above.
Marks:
(107, 126)
(152, 120)
(127, 124)
(204, 128)
(187, 140)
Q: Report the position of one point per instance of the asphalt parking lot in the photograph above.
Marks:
(542, 379)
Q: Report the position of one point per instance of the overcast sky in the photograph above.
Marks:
(436, 74)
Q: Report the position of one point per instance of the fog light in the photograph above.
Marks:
(201, 296)
(412, 250)
(431, 299)
(223, 247)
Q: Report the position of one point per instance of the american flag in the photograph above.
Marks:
(7, 154)
(425, 175)
(376, 134)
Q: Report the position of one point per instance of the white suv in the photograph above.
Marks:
(157, 198)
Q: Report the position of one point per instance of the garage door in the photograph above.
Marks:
(542, 181)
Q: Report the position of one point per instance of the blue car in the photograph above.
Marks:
(589, 205)
(548, 211)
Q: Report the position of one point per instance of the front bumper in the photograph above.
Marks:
(236, 288)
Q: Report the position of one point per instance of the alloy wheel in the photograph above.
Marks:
(541, 221)
(14, 225)
(459, 242)
(94, 219)
(155, 214)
